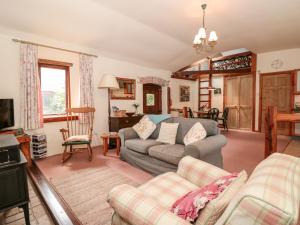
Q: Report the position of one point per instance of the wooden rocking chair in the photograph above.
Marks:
(79, 131)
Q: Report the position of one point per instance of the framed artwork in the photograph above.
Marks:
(184, 93)
(126, 91)
(217, 91)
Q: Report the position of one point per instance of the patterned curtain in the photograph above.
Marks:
(86, 81)
(31, 104)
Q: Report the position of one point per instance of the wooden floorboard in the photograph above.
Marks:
(58, 209)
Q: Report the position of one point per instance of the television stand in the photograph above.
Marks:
(13, 185)
(24, 141)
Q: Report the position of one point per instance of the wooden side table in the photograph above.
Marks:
(106, 137)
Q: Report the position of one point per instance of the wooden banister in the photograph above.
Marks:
(270, 131)
(271, 118)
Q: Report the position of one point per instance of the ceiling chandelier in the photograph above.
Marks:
(200, 41)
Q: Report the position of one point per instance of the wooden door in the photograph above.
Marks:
(152, 99)
(276, 91)
(238, 97)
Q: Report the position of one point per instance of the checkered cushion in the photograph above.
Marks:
(167, 188)
(271, 195)
(136, 208)
(198, 172)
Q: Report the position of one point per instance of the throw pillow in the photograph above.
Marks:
(193, 204)
(144, 128)
(168, 132)
(215, 208)
(196, 133)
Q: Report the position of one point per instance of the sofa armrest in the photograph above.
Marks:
(207, 146)
(199, 172)
(137, 208)
(127, 133)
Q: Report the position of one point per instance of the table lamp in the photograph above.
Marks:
(110, 82)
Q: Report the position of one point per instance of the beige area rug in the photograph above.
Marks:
(293, 148)
(85, 192)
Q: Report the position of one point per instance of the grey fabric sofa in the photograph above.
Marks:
(156, 157)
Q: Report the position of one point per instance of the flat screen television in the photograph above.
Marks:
(6, 113)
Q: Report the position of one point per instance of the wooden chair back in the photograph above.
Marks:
(80, 121)
(225, 113)
(185, 112)
(213, 114)
(191, 114)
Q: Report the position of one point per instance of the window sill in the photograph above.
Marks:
(57, 118)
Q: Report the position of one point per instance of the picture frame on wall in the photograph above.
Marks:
(184, 93)
(127, 89)
(217, 91)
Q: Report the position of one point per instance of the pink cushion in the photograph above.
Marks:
(188, 207)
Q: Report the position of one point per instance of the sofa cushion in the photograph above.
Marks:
(141, 146)
(271, 195)
(196, 133)
(188, 207)
(185, 124)
(167, 188)
(155, 133)
(144, 128)
(168, 153)
(215, 208)
(168, 132)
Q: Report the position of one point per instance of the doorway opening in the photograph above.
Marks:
(152, 95)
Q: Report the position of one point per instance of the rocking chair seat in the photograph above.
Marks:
(77, 140)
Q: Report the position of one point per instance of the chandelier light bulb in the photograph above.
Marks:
(201, 41)
(202, 33)
(213, 36)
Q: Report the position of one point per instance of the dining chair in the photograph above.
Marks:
(191, 114)
(79, 131)
(185, 113)
(224, 118)
(213, 114)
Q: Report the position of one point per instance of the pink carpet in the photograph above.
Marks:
(243, 151)
(246, 149)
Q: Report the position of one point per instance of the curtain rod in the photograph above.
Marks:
(48, 46)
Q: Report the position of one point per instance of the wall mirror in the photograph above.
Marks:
(126, 91)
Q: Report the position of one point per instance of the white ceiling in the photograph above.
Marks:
(157, 33)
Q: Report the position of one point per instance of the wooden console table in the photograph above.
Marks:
(117, 123)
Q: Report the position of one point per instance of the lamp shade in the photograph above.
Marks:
(108, 81)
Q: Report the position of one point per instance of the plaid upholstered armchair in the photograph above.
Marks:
(270, 196)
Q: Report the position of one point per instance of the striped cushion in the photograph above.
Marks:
(271, 195)
(135, 207)
(167, 188)
(117, 220)
(198, 172)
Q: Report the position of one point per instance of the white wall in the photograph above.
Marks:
(217, 99)
(9, 83)
(175, 93)
(291, 61)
